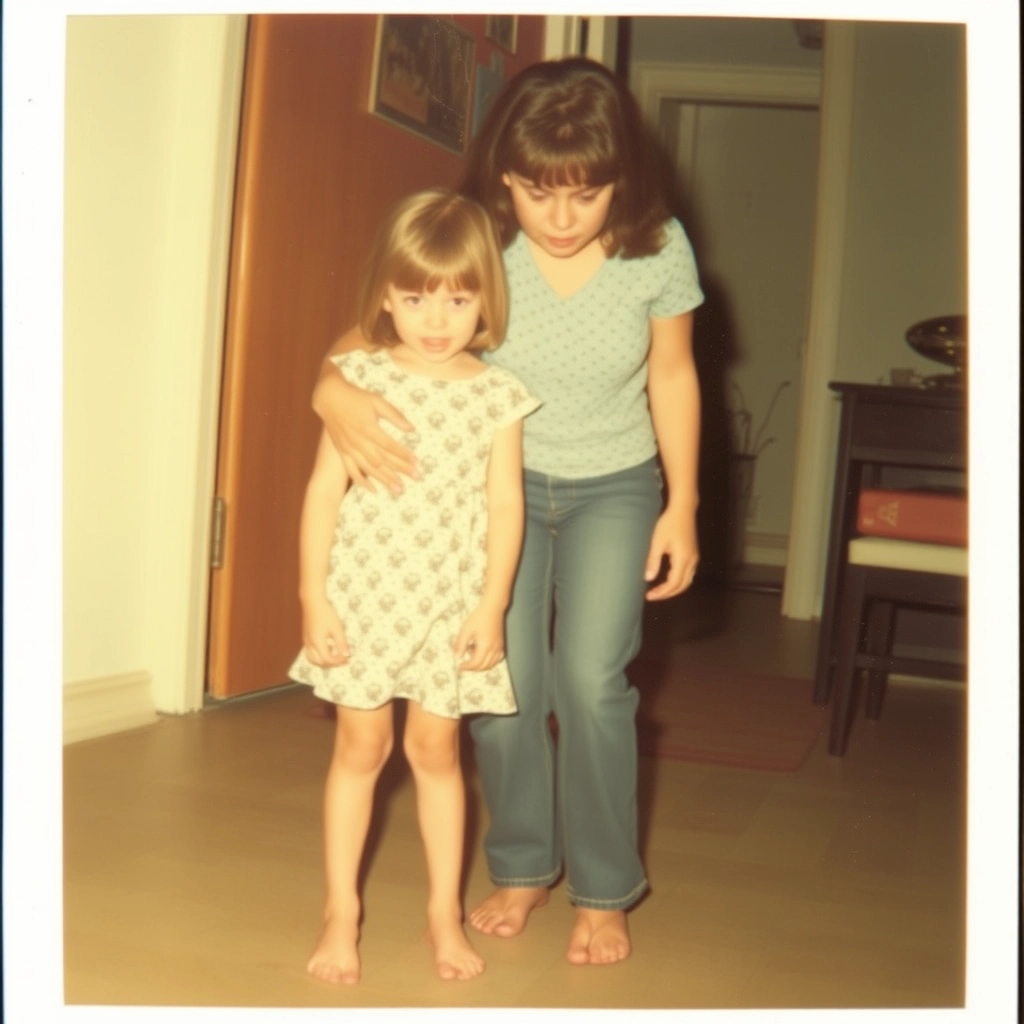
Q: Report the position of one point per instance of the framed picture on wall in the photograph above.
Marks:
(423, 77)
(501, 29)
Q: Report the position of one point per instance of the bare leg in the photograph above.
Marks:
(505, 911)
(362, 743)
(599, 937)
(432, 748)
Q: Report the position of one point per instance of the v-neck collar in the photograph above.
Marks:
(524, 242)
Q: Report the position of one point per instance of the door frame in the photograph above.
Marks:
(831, 92)
(206, 377)
(563, 35)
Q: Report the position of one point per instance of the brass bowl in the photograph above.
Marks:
(943, 338)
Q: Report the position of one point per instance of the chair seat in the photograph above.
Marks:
(882, 574)
(910, 555)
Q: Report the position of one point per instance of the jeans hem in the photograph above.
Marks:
(621, 903)
(526, 882)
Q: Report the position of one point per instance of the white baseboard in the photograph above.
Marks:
(765, 548)
(109, 704)
(924, 682)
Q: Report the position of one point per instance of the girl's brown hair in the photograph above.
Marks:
(572, 122)
(428, 239)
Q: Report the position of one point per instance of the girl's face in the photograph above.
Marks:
(433, 326)
(561, 219)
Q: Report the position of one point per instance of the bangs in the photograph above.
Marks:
(425, 276)
(554, 169)
(578, 174)
(560, 150)
(438, 256)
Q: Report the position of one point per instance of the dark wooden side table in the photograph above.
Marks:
(919, 428)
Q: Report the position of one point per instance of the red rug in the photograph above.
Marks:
(744, 720)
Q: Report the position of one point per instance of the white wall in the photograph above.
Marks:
(906, 240)
(151, 122)
(760, 42)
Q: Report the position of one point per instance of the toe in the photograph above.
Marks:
(578, 951)
(483, 922)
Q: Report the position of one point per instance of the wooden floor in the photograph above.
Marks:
(193, 863)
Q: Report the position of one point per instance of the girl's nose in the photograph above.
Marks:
(435, 313)
(562, 214)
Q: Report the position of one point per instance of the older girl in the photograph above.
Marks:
(602, 288)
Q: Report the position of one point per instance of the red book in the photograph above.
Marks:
(926, 516)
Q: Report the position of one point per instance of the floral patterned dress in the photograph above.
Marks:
(406, 570)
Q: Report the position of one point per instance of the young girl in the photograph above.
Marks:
(406, 596)
(602, 287)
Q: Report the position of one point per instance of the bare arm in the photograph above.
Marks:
(322, 632)
(483, 633)
(350, 417)
(674, 396)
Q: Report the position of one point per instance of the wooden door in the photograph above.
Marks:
(316, 172)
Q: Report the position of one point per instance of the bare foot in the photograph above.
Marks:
(599, 937)
(505, 911)
(455, 958)
(336, 957)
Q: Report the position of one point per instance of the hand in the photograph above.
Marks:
(674, 538)
(480, 644)
(323, 635)
(351, 417)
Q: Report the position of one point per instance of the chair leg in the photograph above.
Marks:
(848, 633)
(881, 622)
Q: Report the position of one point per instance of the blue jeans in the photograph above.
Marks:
(572, 805)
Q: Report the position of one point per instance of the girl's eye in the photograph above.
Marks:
(411, 300)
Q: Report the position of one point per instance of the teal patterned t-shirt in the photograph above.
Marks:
(585, 357)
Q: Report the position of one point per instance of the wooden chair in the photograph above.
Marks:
(883, 574)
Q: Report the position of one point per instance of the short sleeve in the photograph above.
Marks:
(680, 286)
(358, 368)
(509, 399)
(351, 365)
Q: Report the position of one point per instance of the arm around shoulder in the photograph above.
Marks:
(351, 418)
(350, 341)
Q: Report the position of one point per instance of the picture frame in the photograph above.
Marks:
(501, 30)
(422, 79)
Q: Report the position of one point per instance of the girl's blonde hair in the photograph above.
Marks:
(573, 122)
(432, 238)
